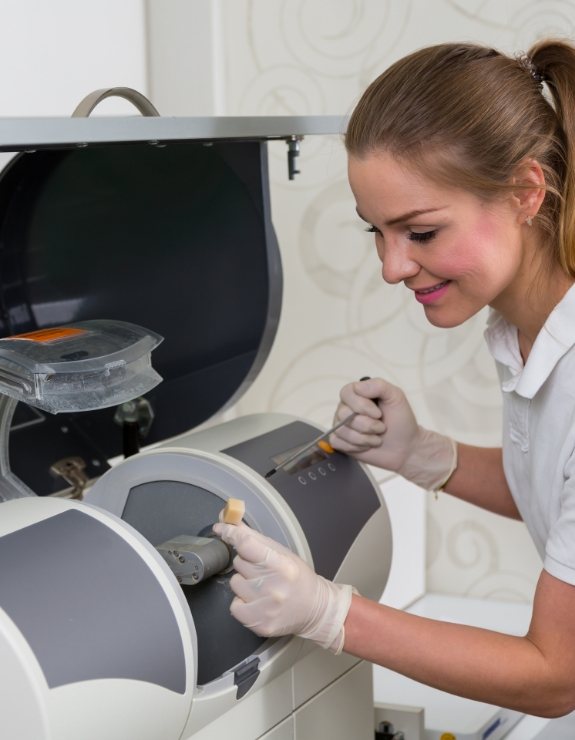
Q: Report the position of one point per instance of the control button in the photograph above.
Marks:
(322, 471)
(311, 475)
(302, 480)
(331, 466)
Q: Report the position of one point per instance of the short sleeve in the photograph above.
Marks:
(559, 558)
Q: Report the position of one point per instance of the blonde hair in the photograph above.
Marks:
(470, 115)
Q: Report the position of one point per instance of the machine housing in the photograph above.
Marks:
(165, 224)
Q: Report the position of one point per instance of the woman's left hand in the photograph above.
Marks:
(277, 593)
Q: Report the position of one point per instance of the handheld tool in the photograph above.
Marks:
(321, 438)
(309, 446)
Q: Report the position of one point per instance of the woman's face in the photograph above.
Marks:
(456, 252)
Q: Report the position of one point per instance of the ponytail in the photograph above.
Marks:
(554, 61)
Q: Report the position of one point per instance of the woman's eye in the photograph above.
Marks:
(372, 229)
(422, 236)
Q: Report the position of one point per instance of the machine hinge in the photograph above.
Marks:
(72, 470)
(245, 676)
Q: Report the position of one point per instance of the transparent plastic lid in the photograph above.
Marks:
(79, 367)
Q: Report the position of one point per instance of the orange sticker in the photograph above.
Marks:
(50, 335)
(325, 446)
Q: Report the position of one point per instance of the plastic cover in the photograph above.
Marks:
(79, 367)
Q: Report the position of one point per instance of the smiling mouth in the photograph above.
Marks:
(426, 291)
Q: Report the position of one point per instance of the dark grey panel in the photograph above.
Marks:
(331, 496)
(163, 509)
(88, 606)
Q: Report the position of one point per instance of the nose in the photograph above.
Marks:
(396, 262)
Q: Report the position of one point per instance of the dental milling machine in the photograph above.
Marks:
(114, 595)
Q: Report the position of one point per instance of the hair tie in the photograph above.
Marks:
(529, 66)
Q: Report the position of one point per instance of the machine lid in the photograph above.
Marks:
(177, 239)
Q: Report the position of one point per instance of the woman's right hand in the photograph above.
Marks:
(385, 433)
(385, 428)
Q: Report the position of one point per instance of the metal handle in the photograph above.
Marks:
(141, 102)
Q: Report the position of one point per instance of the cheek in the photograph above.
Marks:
(460, 262)
(476, 250)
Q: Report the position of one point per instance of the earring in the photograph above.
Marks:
(529, 221)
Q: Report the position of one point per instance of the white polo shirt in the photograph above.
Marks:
(539, 430)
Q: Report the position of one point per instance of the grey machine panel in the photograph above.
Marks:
(332, 498)
(162, 509)
(87, 605)
(331, 495)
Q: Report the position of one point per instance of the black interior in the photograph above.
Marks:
(177, 239)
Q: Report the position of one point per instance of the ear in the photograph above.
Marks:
(530, 191)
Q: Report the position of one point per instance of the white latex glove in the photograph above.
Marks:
(385, 433)
(278, 594)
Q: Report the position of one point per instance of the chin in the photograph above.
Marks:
(443, 320)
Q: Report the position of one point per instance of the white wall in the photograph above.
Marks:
(54, 53)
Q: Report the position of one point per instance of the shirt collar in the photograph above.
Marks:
(556, 337)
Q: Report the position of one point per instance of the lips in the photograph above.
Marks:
(427, 291)
(432, 294)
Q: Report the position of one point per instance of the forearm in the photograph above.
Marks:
(277, 593)
(462, 660)
(479, 479)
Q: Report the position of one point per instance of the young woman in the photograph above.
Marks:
(462, 162)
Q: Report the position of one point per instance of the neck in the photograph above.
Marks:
(538, 286)
(530, 307)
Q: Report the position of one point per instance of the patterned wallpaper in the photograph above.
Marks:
(340, 321)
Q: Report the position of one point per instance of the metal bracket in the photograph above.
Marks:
(292, 155)
(71, 469)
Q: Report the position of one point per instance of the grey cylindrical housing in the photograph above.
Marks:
(194, 559)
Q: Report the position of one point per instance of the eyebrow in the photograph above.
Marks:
(406, 216)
